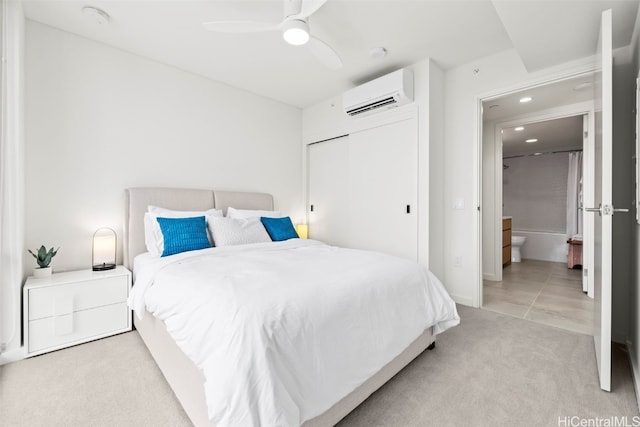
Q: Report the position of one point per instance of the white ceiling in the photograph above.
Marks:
(564, 92)
(548, 33)
(450, 32)
(552, 135)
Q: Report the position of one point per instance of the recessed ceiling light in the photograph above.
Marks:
(526, 99)
(99, 15)
(529, 141)
(519, 128)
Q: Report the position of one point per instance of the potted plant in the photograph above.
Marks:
(43, 258)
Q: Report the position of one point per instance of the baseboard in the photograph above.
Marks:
(491, 277)
(635, 370)
(12, 356)
(462, 300)
(619, 337)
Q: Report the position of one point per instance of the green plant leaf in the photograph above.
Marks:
(43, 257)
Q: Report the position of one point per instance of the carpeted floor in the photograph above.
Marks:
(492, 370)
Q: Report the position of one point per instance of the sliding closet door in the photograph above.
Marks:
(383, 180)
(328, 208)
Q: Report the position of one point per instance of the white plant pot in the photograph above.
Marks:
(42, 272)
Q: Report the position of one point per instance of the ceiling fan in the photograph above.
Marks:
(294, 27)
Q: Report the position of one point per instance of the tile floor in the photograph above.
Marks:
(543, 292)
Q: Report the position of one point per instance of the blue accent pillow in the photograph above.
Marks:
(279, 228)
(183, 234)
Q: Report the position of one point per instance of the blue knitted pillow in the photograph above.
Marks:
(183, 234)
(279, 228)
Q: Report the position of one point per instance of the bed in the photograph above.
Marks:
(184, 376)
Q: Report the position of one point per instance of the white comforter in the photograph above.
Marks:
(284, 330)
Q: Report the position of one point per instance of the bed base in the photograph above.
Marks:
(187, 380)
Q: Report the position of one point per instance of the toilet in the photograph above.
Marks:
(516, 244)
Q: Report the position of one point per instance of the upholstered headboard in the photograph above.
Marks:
(138, 199)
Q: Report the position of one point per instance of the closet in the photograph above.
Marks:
(362, 189)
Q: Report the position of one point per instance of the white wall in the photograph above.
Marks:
(464, 87)
(326, 120)
(99, 120)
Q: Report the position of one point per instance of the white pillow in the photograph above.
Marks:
(237, 231)
(152, 233)
(251, 213)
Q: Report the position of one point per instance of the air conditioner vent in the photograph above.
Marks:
(392, 90)
(373, 106)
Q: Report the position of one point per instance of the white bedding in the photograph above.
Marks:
(283, 330)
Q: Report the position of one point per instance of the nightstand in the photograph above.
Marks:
(73, 307)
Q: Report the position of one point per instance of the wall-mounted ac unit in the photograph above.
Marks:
(389, 91)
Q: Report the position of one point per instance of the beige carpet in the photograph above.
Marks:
(492, 370)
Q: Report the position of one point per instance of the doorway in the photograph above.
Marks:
(528, 182)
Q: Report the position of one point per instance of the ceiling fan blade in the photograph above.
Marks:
(239, 26)
(324, 53)
(309, 7)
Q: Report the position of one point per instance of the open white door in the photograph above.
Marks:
(603, 214)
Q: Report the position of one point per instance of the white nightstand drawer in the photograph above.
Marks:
(77, 327)
(61, 299)
(73, 307)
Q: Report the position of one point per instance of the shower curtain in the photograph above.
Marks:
(574, 195)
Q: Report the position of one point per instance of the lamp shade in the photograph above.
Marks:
(104, 249)
(302, 230)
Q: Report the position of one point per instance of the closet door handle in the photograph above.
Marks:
(408, 209)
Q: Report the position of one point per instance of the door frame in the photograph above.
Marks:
(478, 152)
(572, 110)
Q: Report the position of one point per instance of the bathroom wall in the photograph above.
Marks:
(535, 195)
(535, 192)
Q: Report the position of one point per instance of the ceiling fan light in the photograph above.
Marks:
(295, 32)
